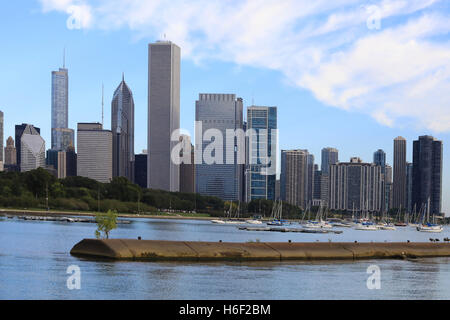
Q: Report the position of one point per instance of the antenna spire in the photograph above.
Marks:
(123, 76)
(102, 103)
(64, 58)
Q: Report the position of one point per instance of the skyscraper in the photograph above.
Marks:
(409, 184)
(399, 186)
(62, 137)
(262, 149)
(217, 113)
(163, 114)
(122, 126)
(187, 170)
(329, 156)
(355, 185)
(310, 185)
(10, 152)
(94, 159)
(379, 158)
(427, 174)
(19, 130)
(294, 177)
(140, 170)
(1, 137)
(32, 149)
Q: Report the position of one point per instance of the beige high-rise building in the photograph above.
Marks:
(10, 152)
(399, 181)
(163, 114)
(294, 177)
(94, 145)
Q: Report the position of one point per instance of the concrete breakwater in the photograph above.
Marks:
(155, 250)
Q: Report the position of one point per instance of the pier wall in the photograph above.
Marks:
(155, 250)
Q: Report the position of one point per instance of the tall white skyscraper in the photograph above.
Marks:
(163, 114)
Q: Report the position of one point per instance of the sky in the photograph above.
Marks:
(347, 74)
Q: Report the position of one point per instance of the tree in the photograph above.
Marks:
(105, 223)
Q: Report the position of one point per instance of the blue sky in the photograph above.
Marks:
(347, 74)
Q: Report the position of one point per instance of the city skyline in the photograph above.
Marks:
(249, 83)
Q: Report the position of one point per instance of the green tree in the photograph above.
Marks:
(105, 223)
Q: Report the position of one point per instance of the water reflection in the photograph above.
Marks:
(34, 257)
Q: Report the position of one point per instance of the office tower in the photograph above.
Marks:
(409, 184)
(187, 170)
(379, 158)
(329, 156)
(94, 159)
(261, 153)
(427, 174)
(19, 130)
(389, 186)
(399, 186)
(294, 177)
(310, 183)
(163, 114)
(122, 127)
(32, 149)
(10, 152)
(140, 169)
(64, 162)
(61, 139)
(1, 137)
(317, 174)
(224, 177)
(355, 185)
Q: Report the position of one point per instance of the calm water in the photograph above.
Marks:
(34, 257)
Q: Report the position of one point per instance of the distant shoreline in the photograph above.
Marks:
(20, 212)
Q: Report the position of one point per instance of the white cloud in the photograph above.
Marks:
(399, 74)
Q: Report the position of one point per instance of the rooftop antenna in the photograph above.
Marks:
(64, 58)
(102, 103)
(123, 76)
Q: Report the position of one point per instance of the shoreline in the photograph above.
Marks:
(20, 212)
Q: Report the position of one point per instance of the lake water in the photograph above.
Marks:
(34, 257)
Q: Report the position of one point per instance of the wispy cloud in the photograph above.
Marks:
(397, 72)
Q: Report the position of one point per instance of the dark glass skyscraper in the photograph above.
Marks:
(427, 174)
(122, 126)
(399, 186)
(379, 158)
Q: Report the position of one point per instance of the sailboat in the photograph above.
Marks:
(319, 222)
(364, 223)
(383, 225)
(399, 213)
(429, 227)
(277, 211)
(228, 220)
